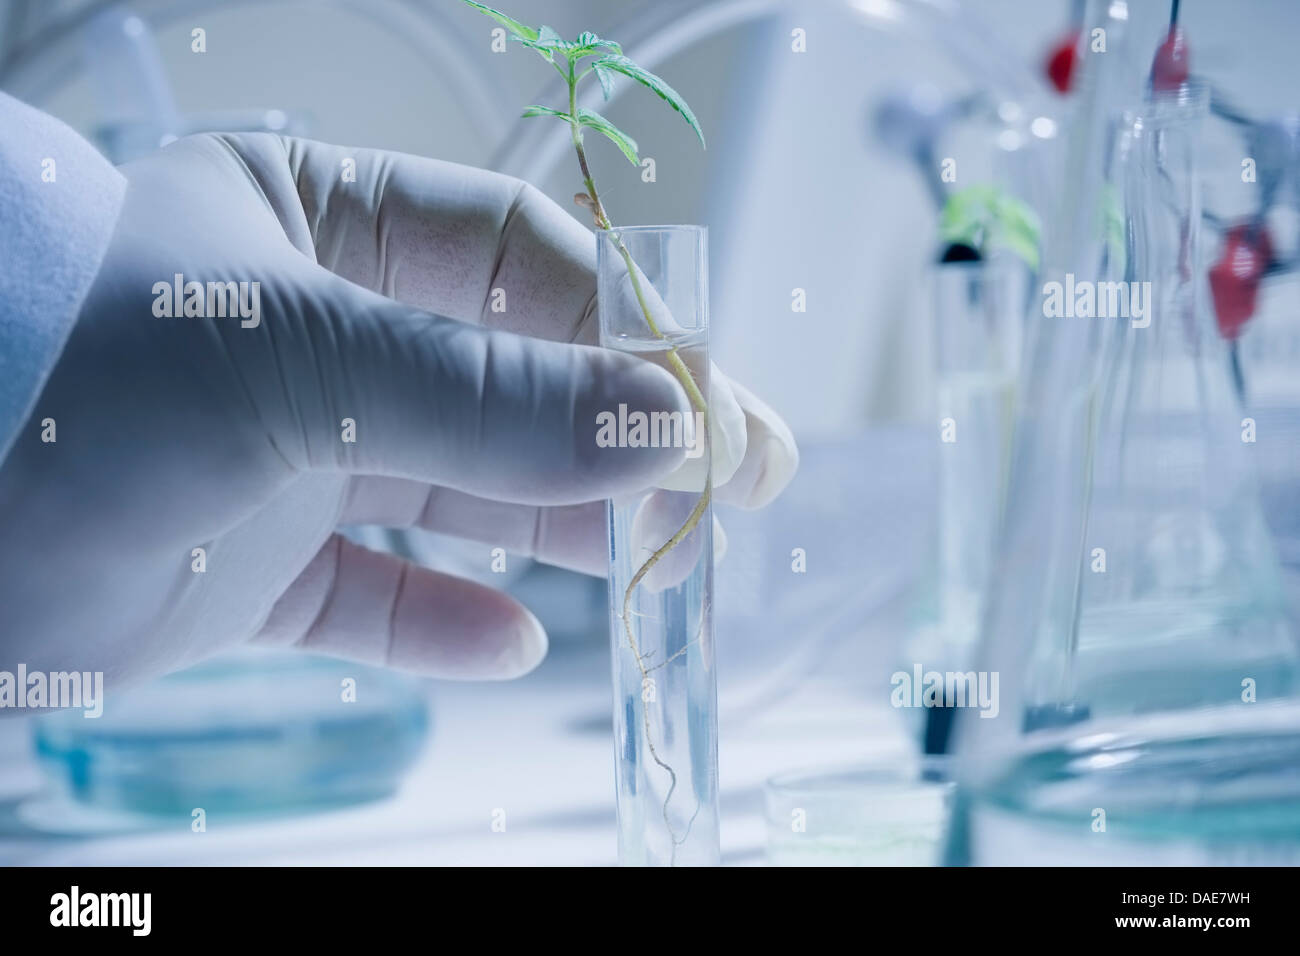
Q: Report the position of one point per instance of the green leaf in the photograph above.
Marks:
(1018, 228)
(967, 212)
(1114, 228)
(1021, 240)
(545, 111)
(593, 120)
(510, 23)
(621, 64)
(984, 217)
(588, 44)
(550, 39)
(549, 42)
(545, 52)
(606, 78)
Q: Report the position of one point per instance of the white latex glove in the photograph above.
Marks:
(375, 295)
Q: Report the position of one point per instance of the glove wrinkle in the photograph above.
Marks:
(486, 365)
(386, 281)
(328, 396)
(267, 432)
(402, 577)
(498, 256)
(424, 517)
(314, 206)
(588, 329)
(263, 179)
(539, 530)
(333, 553)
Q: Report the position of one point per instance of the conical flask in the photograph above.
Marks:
(1172, 599)
(1135, 572)
(1178, 600)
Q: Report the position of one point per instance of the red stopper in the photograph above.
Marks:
(1170, 67)
(1061, 61)
(1235, 278)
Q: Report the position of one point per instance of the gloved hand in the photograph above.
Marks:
(228, 433)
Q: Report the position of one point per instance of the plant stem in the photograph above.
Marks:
(683, 374)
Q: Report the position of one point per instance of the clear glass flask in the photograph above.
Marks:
(1179, 598)
(1216, 786)
(1169, 594)
(653, 293)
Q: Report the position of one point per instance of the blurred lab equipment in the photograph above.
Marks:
(48, 45)
(252, 732)
(1135, 612)
(1211, 787)
(989, 256)
(1252, 287)
(886, 813)
(1190, 592)
(978, 312)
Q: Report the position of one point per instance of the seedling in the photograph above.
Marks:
(577, 60)
(984, 218)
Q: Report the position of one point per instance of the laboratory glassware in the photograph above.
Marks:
(250, 732)
(879, 813)
(1135, 615)
(1208, 787)
(1080, 371)
(660, 580)
(1175, 597)
(978, 310)
(1270, 358)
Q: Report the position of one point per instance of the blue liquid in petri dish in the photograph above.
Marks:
(249, 733)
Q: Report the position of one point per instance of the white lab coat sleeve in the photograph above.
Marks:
(59, 202)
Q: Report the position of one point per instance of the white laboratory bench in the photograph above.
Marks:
(540, 749)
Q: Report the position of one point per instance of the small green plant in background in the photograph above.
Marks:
(590, 56)
(985, 218)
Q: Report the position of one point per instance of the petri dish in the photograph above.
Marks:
(253, 732)
(872, 814)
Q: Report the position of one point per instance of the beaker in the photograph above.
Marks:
(883, 812)
(652, 287)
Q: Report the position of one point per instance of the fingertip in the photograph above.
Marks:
(730, 439)
(457, 629)
(771, 457)
(526, 648)
(781, 461)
